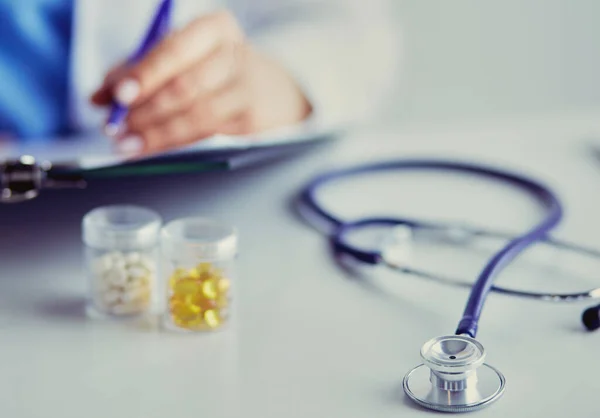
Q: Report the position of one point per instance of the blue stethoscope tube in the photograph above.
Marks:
(481, 288)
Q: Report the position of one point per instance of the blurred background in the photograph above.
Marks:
(472, 59)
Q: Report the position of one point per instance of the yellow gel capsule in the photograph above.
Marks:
(204, 268)
(195, 274)
(202, 273)
(186, 315)
(224, 285)
(201, 302)
(188, 287)
(176, 299)
(194, 324)
(178, 274)
(212, 318)
(184, 311)
(210, 289)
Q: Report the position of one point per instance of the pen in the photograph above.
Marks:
(156, 32)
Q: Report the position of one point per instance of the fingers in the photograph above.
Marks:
(185, 89)
(199, 83)
(238, 125)
(103, 96)
(201, 120)
(176, 55)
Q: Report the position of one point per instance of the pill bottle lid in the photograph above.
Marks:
(121, 227)
(199, 238)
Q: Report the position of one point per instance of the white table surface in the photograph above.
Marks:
(309, 340)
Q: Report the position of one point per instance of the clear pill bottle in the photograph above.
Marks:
(121, 259)
(199, 267)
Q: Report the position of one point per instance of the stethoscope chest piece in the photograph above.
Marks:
(454, 377)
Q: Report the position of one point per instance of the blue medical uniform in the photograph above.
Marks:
(35, 44)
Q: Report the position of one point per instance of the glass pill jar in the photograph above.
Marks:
(198, 264)
(121, 259)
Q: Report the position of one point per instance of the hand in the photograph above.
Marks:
(203, 80)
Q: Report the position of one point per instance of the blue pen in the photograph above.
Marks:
(156, 32)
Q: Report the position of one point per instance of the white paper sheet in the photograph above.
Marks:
(95, 150)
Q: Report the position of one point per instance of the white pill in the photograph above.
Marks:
(101, 264)
(114, 259)
(133, 258)
(145, 281)
(116, 277)
(116, 256)
(141, 282)
(119, 264)
(136, 273)
(147, 261)
(135, 294)
(122, 281)
(107, 259)
(134, 284)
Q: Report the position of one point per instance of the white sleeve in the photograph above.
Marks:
(343, 53)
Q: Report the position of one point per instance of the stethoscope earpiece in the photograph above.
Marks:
(591, 318)
(453, 376)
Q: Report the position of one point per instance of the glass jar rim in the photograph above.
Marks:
(199, 238)
(121, 227)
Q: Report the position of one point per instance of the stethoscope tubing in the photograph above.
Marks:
(484, 283)
(375, 257)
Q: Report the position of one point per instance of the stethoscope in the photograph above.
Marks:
(454, 376)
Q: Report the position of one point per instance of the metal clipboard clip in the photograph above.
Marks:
(24, 178)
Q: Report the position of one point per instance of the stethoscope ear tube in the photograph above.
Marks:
(340, 230)
(341, 246)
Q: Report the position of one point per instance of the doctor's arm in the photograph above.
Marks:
(262, 65)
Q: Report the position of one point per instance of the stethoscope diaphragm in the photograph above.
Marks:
(453, 376)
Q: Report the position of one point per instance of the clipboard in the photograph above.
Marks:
(29, 167)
